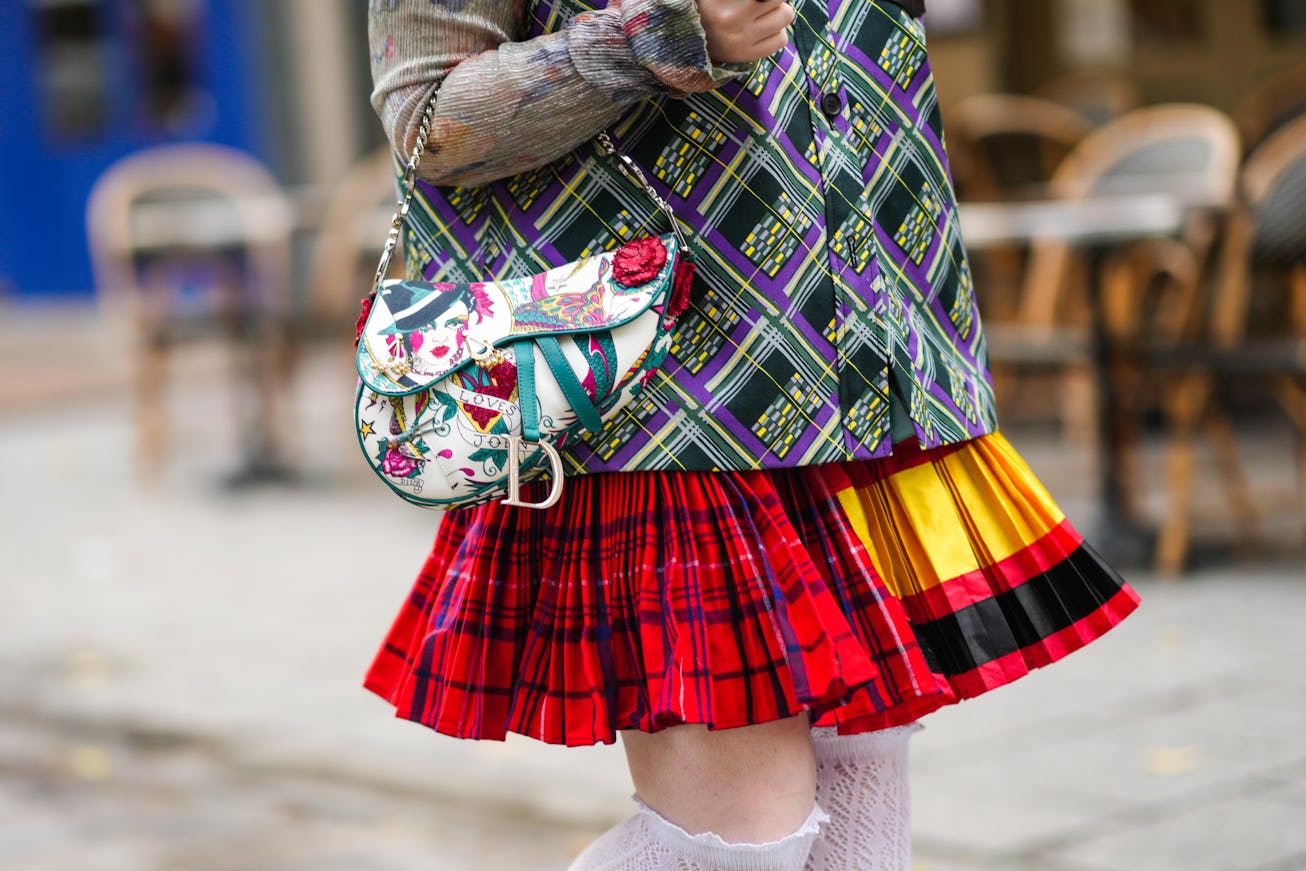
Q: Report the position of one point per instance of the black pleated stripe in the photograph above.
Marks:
(1039, 608)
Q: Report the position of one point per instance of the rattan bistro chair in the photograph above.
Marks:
(188, 242)
(1152, 293)
(1007, 146)
(1271, 104)
(355, 217)
(1189, 152)
(1263, 268)
(348, 244)
(1185, 151)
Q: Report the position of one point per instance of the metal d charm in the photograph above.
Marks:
(514, 473)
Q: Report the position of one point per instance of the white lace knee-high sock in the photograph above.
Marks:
(649, 842)
(861, 782)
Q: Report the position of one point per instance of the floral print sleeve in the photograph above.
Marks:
(504, 104)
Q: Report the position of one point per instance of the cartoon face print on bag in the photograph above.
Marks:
(434, 322)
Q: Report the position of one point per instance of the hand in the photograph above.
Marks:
(742, 31)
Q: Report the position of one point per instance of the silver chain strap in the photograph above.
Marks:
(625, 165)
(406, 197)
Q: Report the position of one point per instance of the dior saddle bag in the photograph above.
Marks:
(467, 391)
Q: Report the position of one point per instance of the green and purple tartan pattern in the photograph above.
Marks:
(831, 266)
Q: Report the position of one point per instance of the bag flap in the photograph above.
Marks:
(418, 332)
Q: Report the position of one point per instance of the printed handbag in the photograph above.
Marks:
(466, 391)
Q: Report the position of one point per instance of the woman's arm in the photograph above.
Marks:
(503, 106)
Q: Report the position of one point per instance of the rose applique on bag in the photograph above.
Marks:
(639, 262)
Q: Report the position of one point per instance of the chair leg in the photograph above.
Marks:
(1245, 515)
(1079, 408)
(1294, 388)
(1005, 385)
(1301, 445)
(1186, 407)
(1124, 431)
(1292, 396)
(151, 419)
(276, 354)
(258, 370)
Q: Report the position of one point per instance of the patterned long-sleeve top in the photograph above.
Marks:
(834, 311)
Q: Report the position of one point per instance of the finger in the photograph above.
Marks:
(770, 45)
(779, 17)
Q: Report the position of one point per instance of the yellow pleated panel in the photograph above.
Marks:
(943, 519)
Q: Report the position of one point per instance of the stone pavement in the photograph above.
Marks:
(179, 672)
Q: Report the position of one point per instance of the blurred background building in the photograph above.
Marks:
(1205, 51)
(90, 81)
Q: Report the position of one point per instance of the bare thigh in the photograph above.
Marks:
(749, 785)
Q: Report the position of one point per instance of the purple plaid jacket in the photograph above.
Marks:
(835, 312)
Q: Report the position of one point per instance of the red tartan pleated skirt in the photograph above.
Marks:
(867, 594)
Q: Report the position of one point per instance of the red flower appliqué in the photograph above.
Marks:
(639, 262)
(362, 318)
(681, 287)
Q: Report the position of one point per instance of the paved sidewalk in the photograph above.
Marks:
(179, 689)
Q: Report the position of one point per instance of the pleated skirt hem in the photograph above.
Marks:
(866, 595)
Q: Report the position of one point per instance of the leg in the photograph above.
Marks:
(731, 800)
(748, 785)
(861, 782)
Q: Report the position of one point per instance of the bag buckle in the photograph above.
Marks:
(515, 444)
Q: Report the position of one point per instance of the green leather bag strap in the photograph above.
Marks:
(524, 352)
(571, 388)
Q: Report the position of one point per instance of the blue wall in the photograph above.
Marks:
(45, 178)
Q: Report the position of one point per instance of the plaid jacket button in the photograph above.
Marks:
(831, 104)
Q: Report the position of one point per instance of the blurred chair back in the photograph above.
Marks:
(1271, 104)
(1268, 228)
(1184, 149)
(1190, 152)
(1274, 188)
(188, 241)
(191, 198)
(355, 220)
(1007, 146)
(1100, 97)
(353, 229)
